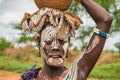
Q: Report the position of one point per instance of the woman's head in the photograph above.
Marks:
(54, 47)
(54, 29)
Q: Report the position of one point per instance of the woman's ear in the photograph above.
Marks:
(73, 20)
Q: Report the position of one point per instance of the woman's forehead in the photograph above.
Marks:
(51, 32)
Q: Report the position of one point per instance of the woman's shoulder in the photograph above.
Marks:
(31, 74)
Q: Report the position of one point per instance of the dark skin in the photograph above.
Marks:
(48, 68)
(51, 72)
(103, 21)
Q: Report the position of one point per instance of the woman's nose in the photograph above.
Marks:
(55, 45)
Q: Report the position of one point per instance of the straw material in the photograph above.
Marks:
(62, 20)
(26, 16)
(75, 20)
(57, 4)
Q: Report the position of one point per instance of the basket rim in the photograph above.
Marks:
(60, 4)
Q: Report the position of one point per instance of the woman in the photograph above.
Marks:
(53, 36)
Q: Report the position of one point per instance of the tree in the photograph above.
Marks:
(4, 44)
(112, 6)
(117, 45)
(23, 38)
(84, 33)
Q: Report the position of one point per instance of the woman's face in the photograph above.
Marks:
(54, 48)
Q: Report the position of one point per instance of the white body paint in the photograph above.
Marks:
(50, 34)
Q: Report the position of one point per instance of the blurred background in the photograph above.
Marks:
(18, 52)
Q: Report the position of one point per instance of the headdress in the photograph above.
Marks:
(51, 12)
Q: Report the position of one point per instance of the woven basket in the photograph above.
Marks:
(57, 4)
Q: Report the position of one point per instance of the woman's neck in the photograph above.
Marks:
(51, 72)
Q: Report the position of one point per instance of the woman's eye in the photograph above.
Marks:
(62, 41)
(48, 42)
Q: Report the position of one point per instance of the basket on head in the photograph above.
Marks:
(57, 4)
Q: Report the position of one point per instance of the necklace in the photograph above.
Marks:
(43, 77)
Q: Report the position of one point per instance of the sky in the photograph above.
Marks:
(12, 11)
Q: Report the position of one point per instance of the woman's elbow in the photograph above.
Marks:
(108, 20)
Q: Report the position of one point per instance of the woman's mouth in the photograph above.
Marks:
(55, 60)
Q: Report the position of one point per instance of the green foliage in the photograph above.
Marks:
(117, 45)
(106, 72)
(83, 34)
(84, 45)
(4, 44)
(27, 54)
(106, 3)
(25, 39)
(113, 7)
(17, 26)
(75, 7)
(103, 72)
(11, 64)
